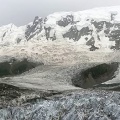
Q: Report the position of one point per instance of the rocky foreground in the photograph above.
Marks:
(79, 105)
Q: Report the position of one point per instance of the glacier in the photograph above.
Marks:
(67, 43)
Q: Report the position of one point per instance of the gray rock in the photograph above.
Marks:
(34, 29)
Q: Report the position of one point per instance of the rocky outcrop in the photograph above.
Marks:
(34, 29)
(93, 33)
(69, 19)
(76, 34)
(90, 77)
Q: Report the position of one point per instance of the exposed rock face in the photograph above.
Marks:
(47, 32)
(66, 21)
(34, 29)
(95, 75)
(75, 34)
(108, 29)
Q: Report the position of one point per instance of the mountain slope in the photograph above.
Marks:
(96, 28)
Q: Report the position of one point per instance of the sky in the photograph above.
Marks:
(21, 12)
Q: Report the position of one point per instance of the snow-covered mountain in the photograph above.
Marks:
(63, 42)
(96, 28)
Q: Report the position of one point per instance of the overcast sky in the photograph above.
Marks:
(21, 12)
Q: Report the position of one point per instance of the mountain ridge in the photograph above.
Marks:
(95, 28)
